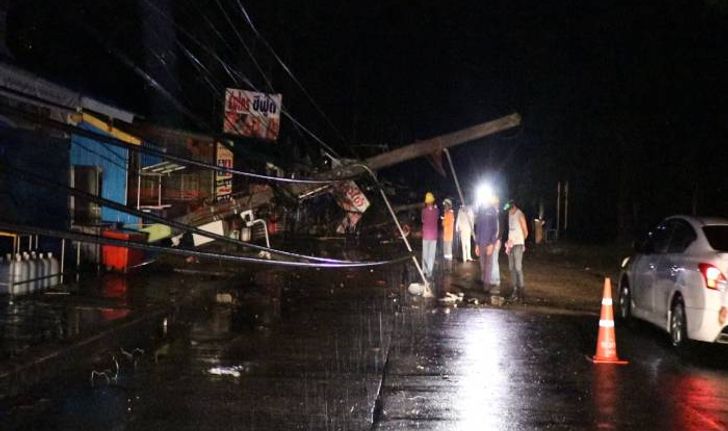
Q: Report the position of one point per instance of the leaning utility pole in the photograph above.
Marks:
(409, 152)
(429, 146)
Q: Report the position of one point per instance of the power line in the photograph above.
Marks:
(257, 65)
(37, 99)
(128, 62)
(289, 71)
(97, 239)
(18, 113)
(235, 75)
(38, 179)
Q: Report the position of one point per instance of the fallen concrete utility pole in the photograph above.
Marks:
(421, 149)
(381, 161)
(429, 146)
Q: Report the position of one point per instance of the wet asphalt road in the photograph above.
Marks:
(348, 351)
(476, 369)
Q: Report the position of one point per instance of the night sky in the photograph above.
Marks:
(625, 100)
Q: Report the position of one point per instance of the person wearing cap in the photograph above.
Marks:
(430, 217)
(515, 246)
(448, 227)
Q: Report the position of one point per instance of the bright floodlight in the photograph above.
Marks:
(484, 194)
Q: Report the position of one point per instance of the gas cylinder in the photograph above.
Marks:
(5, 276)
(30, 271)
(19, 271)
(55, 271)
(45, 265)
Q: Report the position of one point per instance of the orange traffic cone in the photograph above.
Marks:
(607, 341)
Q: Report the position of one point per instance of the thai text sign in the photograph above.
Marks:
(350, 197)
(252, 114)
(352, 200)
(223, 180)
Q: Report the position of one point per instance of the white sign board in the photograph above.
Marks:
(252, 114)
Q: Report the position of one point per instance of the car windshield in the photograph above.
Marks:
(717, 236)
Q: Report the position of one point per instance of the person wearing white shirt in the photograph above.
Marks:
(464, 227)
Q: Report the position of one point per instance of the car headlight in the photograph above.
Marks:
(625, 262)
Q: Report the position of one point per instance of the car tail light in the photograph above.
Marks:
(712, 275)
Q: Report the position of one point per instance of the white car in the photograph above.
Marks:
(677, 279)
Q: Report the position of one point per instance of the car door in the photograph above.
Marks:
(671, 265)
(645, 267)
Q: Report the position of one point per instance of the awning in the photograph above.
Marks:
(164, 168)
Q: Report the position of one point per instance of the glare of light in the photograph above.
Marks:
(233, 371)
(484, 393)
(484, 194)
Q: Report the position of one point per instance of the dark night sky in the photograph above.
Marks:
(626, 100)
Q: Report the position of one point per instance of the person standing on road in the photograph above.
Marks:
(495, 275)
(516, 245)
(486, 226)
(448, 226)
(464, 226)
(430, 217)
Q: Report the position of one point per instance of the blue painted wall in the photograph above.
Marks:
(114, 163)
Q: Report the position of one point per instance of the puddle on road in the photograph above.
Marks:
(72, 311)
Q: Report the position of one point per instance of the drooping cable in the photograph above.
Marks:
(96, 239)
(37, 179)
(128, 62)
(236, 76)
(289, 71)
(17, 113)
(258, 67)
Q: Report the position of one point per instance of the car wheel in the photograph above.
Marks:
(678, 324)
(625, 301)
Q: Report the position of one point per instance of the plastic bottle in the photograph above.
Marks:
(55, 271)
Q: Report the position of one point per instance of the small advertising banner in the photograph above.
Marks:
(223, 180)
(252, 114)
(350, 197)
